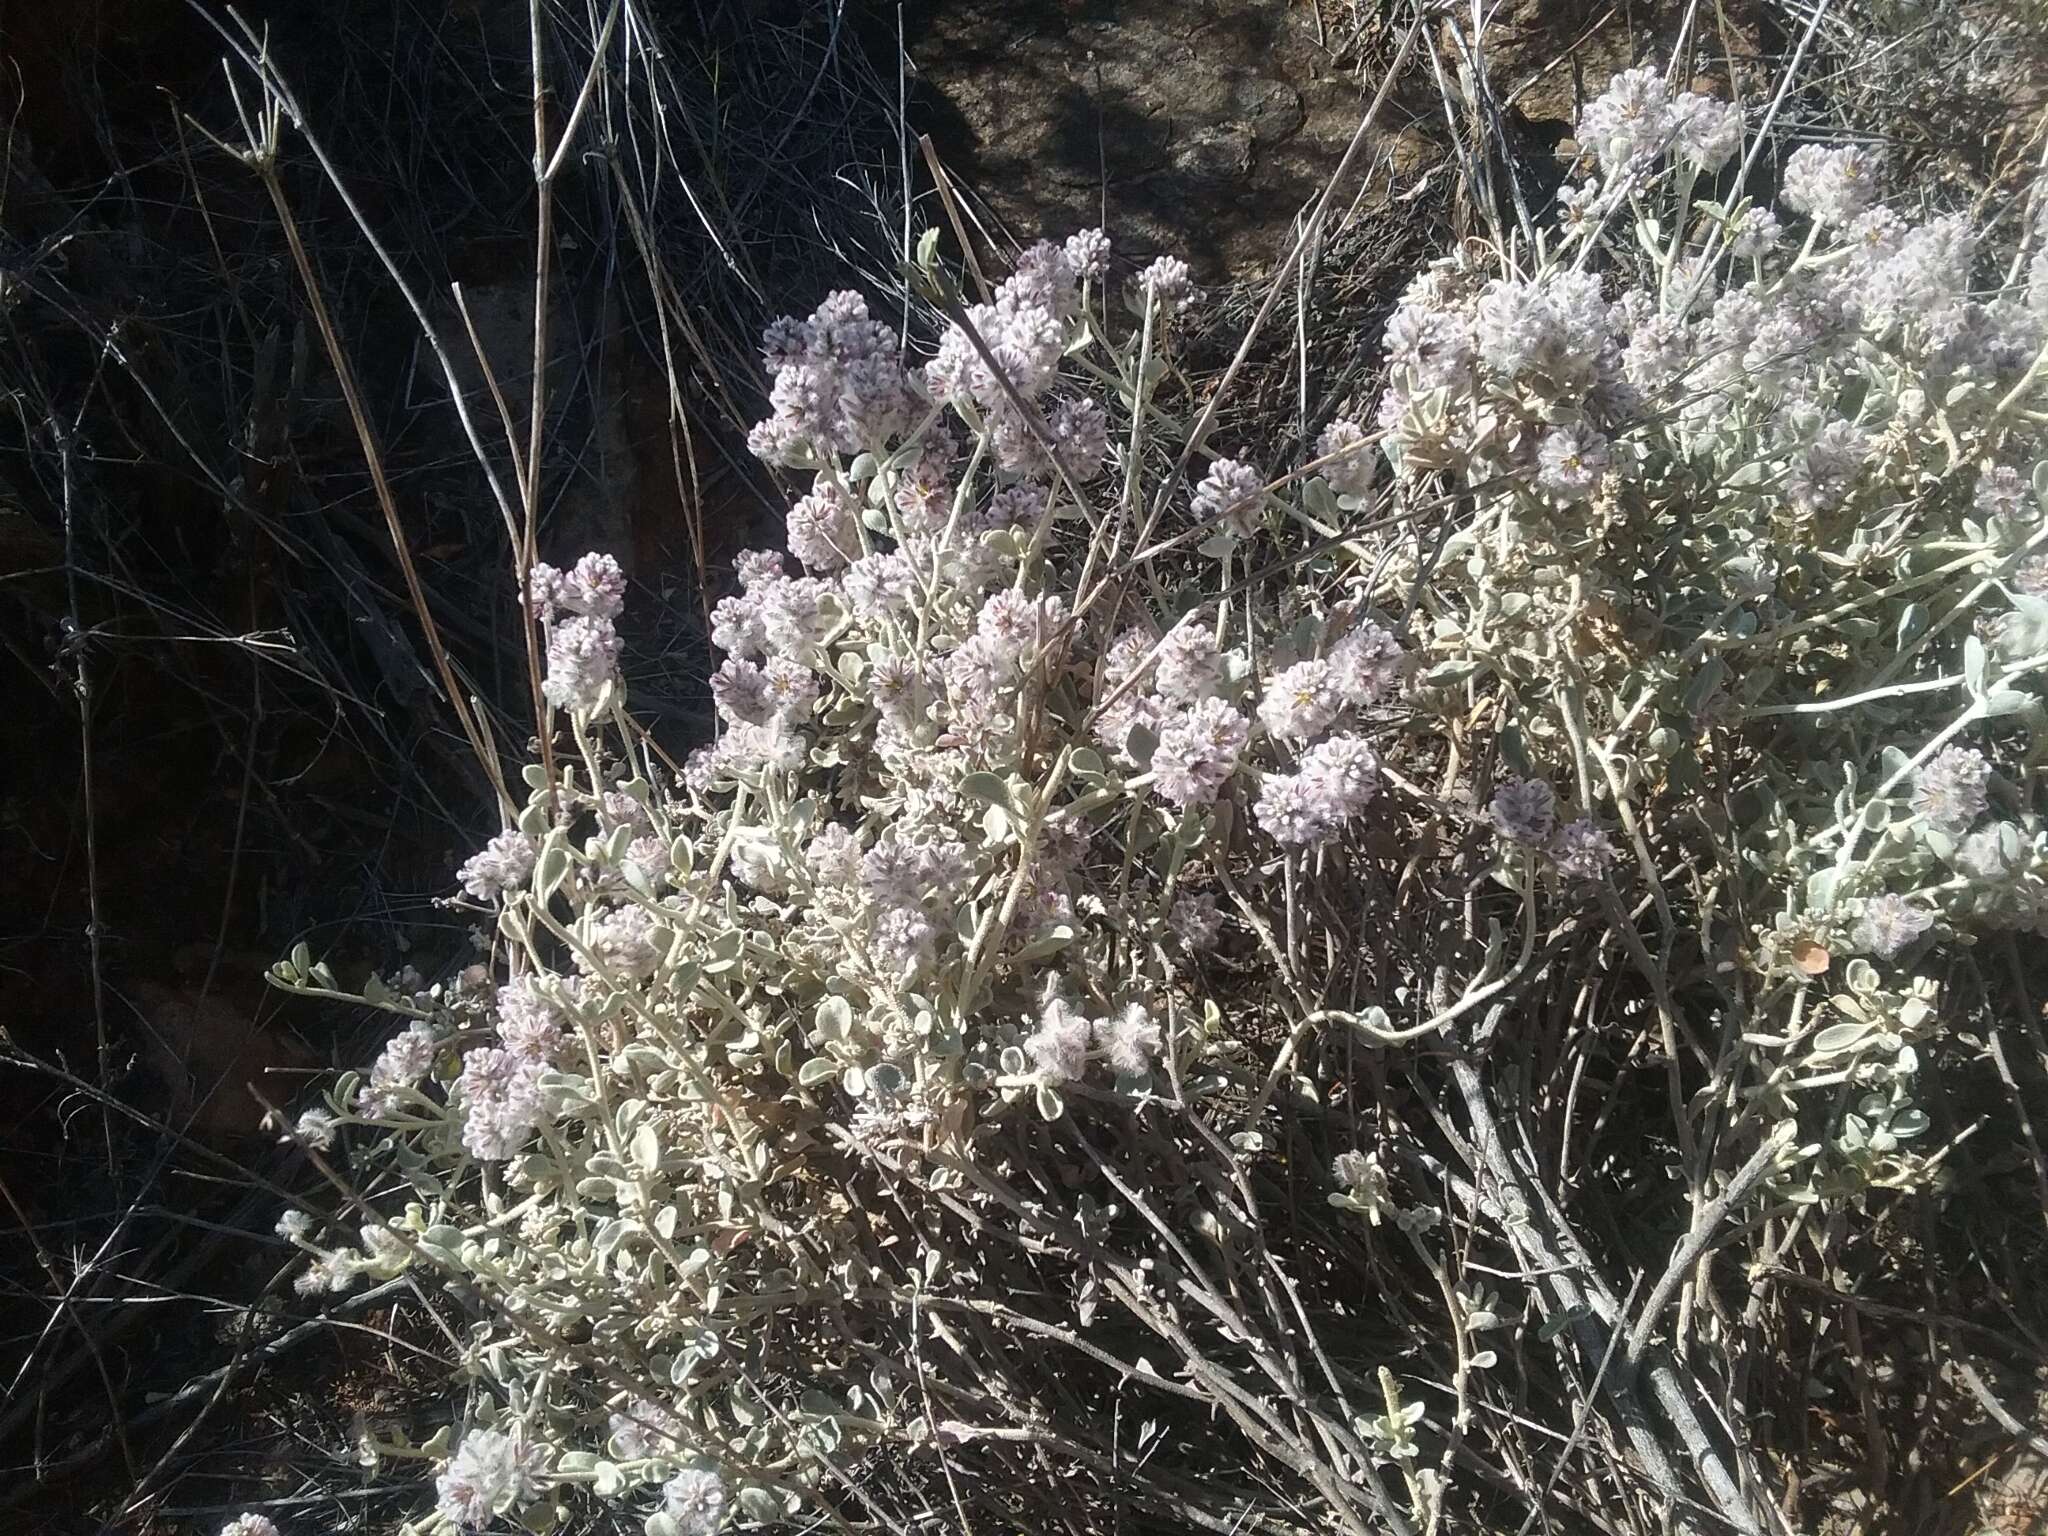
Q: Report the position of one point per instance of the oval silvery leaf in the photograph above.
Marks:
(1912, 624)
(833, 1019)
(551, 868)
(1976, 664)
(443, 1244)
(1701, 685)
(1320, 500)
(1140, 746)
(1448, 674)
(815, 1071)
(759, 1503)
(1054, 939)
(1837, 1038)
(646, 1149)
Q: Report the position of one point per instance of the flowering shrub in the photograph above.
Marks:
(1753, 499)
(919, 1076)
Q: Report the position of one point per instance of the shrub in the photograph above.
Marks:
(999, 1070)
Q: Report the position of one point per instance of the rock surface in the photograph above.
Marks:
(1198, 127)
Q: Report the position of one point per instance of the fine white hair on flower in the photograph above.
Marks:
(1342, 774)
(2001, 492)
(1821, 474)
(1629, 122)
(1432, 348)
(1301, 702)
(295, 1226)
(695, 1499)
(822, 529)
(1352, 457)
(1196, 920)
(643, 1428)
(1198, 751)
(1058, 1048)
(1951, 790)
(1754, 233)
(1831, 186)
(329, 1273)
(1080, 428)
(1570, 461)
(1168, 280)
(491, 1473)
(1580, 850)
(1231, 493)
(1524, 810)
(1365, 666)
(583, 658)
(1290, 810)
(503, 865)
(1129, 1038)
(2030, 576)
(501, 1098)
(1555, 326)
(1190, 665)
(529, 1022)
(1087, 253)
(594, 586)
(1705, 133)
(250, 1525)
(1578, 208)
(838, 385)
(1889, 923)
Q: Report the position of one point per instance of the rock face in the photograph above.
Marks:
(1197, 127)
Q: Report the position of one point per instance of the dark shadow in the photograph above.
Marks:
(1196, 127)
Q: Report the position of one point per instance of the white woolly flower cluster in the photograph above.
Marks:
(491, 1473)
(1005, 359)
(948, 871)
(839, 385)
(1686, 461)
(1638, 118)
(577, 608)
(1033, 871)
